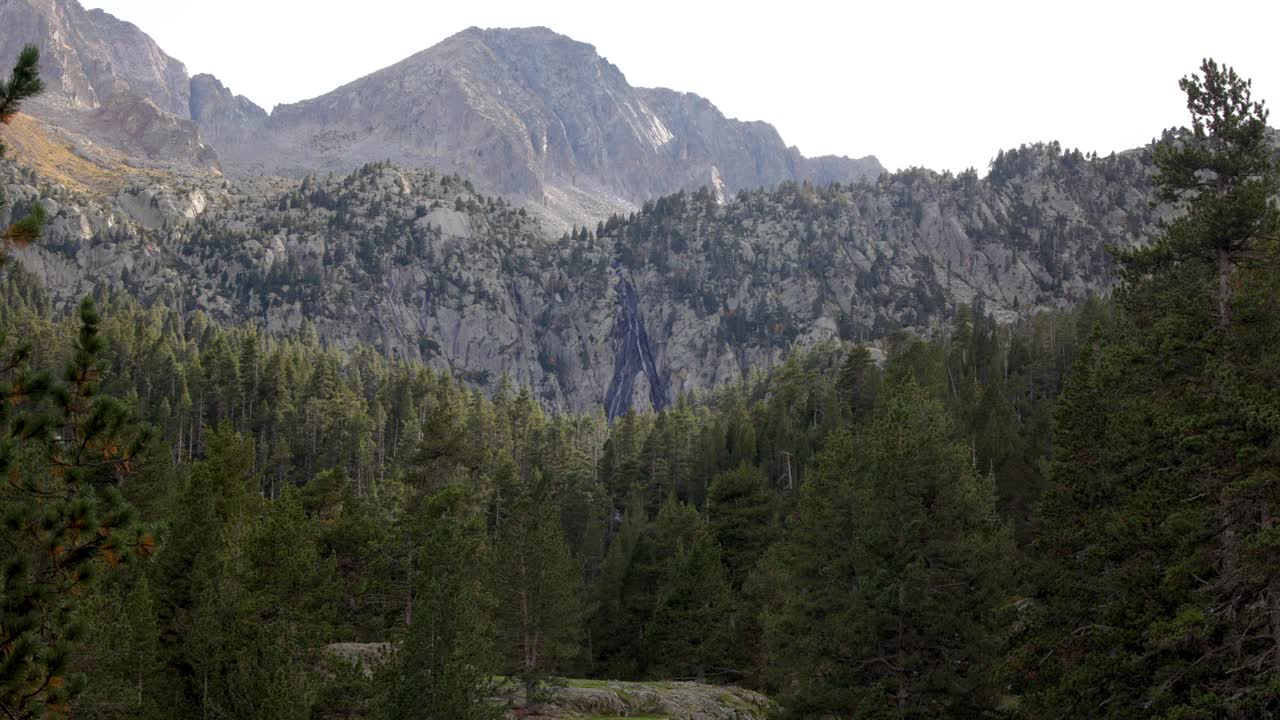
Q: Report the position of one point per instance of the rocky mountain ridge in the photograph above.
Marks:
(525, 112)
(89, 56)
(528, 113)
(691, 290)
(687, 294)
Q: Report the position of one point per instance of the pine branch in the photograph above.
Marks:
(24, 82)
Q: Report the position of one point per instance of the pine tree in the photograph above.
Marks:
(1225, 172)
(742, 519)
(126, 677)
(1156, 589)
(892, 573)
(65, 450)
(260, 616)
(211, 509)
(442, 668)
(24, 83)
(537, 584)
(622, 598)
(857, 384)
(691, 631)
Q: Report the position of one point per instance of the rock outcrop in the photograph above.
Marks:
(687, 294)
(595, 699)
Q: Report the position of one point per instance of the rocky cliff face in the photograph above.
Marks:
(728, 287)
(224, 118)
(527, 113)
(136, 126)
(687, 294)
(744, 155)
(107, 84)
(88, 56)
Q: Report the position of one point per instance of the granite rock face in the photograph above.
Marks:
(107, 84)
(89, 56)
(687, 294)
(136, 126)
(223, 117)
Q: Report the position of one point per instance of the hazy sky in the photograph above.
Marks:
(938, 84)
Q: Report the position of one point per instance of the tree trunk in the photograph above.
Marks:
(1224, 288)
(408, 599)
(1273, 595)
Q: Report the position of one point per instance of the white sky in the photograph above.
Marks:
(939, 84)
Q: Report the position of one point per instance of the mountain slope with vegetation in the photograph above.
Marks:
(683, 296)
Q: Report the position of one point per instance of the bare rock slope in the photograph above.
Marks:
(524, 112)
(109, 87)
(88, 56)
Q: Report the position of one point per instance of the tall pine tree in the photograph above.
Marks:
(442, 668)
(24, 82)
(537, 584)
(893, 573)
(1156, 589)
(65, 450)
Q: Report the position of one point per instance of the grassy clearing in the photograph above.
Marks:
(620, 684)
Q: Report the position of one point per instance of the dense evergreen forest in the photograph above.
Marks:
(1073, 516)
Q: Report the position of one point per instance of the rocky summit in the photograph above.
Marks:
(525, 112)
(109, 88)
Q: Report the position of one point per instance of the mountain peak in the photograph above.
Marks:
(524, 111)
(108, 85)
(529, 34)
(532, 113)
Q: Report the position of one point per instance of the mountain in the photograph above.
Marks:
(109, 87)
(524, 112)
(684, 291)
(88, 56)
(227, 119)
(687, 294)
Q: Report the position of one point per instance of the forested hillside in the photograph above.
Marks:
(287, 478)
